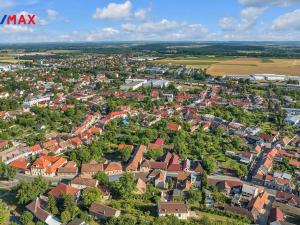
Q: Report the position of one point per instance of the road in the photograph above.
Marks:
(20, 176)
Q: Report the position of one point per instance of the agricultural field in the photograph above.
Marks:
(256, 65)
(13, 60)
(63, 51)
(220, 66)
(194, 62)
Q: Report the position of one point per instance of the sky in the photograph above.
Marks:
(152, 20)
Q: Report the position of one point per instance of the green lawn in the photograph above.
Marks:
(217, 218)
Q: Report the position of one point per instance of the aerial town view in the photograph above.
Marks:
(138, 112)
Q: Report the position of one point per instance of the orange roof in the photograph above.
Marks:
(259, 202)
(113, 166)
(64, 189)
(49, 163)
(50, 143)
(122, 146)
(268, 163)
(173, 126)
(75, 140)
(285, 140)
(257, 149)
(35, 148)
(294, 163)
(272, 153)
(56, 165)
(94, 130)
(19, 163)
(282, 181)
(79, 130)
(138, 157)
(154, 146)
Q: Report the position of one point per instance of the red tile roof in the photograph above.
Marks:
(20, 163)
(259, 202)
(294, 163)
(173, 126)
(113, 166)
(50, 143)
(49, 163)
(64, 189)
(35, 148)
(137, 158)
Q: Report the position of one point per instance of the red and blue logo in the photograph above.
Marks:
(18, 19)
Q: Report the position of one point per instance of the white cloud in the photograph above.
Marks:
(103, 34)
(288, 21)
(52, 14)
(11, 29)
(227, 23)
(140, 14)
(115, 11)
(165, 30)
(249, 17)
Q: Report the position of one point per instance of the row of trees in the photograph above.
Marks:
(7, 172)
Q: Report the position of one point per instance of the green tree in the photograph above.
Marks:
(52, 205)
(65, 216)
(70, 205)
(209, 164)
(124, 154)
(204, 179)
(155, 153)
(125, 187)
(4, 213)
(91, 195)
(102, 178)
(27, 218)
(28, 191)
(7, 172)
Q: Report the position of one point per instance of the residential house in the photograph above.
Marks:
(256, 151)
(288, 198)
(20, 164)
(174, 165)
(148, 165)
(76, 142)
(113, 168)
(228, 186)
(257, 205)
(4, 144)
(173, 126)
(69, 170)
(158, 144)
(277, 182)
(178, 209)
(83, 182)
(47, 165)
(64, 189)
(248, 192)
(101, 211)
(160, 180)
(141, 186)
(90, 169)
(276, 216)
(137, 158)
(38, 208)
(246, 157)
